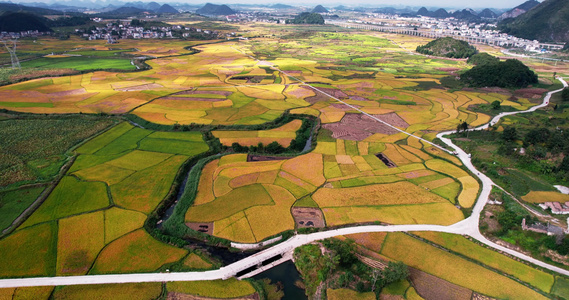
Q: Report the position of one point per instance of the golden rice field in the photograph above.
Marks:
(460, 271)
(282, 135)
(92, 222)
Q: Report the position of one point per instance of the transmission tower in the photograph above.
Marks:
(12, 51)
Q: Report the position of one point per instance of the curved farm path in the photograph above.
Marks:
(468, 226)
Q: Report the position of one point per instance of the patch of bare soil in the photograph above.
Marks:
(68, 93)
(142, 87)
(180, 296)
(358, 98)
(431, 287)
(318, 98)
(496, 90)
(477, 296)
(251, 157)
(308, 217)
(357, 127)
(202, 227)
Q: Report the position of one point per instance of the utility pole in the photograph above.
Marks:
(12, 51)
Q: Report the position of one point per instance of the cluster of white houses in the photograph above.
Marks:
(556, 207)
(433, 28)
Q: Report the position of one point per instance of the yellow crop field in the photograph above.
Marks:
(135, 252)
(376, 194)
(266, 221)
(235, 228)
(454, 269)
(32, 252)
(31, 292)
(205, 187)
(470, 186)
(283, 135)
(343, 294)
(76, 249)
(143, 291)
(537, 278)
(308, 167)
(196, 262)
(543, 196)
(104, 172)
(431, 213)
(230, 288)
(119, 222)
(229, 204)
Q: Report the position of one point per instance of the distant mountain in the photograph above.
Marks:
(423, 11)
(546, 22)
(136, 4)
(487, 14)
(319, 9)
(281, 6)
(519, 10)
(18, 21)
(386, 10)
(214, 9)
(10, 7)
(465, 14)
(123, 12)
(153, 6)
(440, 13)
(167, 9)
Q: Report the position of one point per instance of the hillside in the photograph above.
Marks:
(547, 22)
(447, 47)
(10, 7)
(509, 74)
(167, 9)
(319, 9)
(487, 14)
(307, 18)
(214, 9)
(16, 21)
(519, 10)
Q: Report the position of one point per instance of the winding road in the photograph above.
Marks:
(468, 226)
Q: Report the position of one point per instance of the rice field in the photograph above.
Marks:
(121, 176)
(454, 269)
(91, 222)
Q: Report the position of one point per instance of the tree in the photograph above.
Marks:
(510, 134)
(565, 94)
(395, 271)
(496, 105)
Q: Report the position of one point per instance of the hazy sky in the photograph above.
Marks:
(333, 3)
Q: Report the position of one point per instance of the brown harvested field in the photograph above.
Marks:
(433, 288)
(318, 98)
(357, 127)
(224, 93)
(205, 227)
(68, 93)
(308, 217)
(142, 87)
(180, 296)
(194, 99)
(370, 240)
